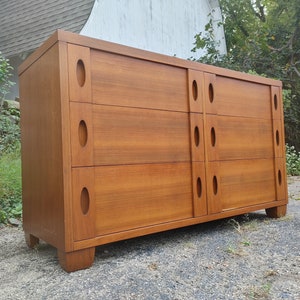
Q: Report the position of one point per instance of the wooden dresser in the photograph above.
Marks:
(118, 142)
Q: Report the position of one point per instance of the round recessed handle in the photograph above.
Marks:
(213, 137)
(199, 187)
(277, 138)
(80, 72)
(275, 100)
(195, 90)
(85, 200)
(279, 176)
(215, 185)
(196, 136)
(211, 93)
(82, 133)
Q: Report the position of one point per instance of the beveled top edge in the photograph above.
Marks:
(72, 38)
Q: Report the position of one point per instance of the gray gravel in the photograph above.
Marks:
(247, 257)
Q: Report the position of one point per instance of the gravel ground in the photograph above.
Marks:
(248, 257)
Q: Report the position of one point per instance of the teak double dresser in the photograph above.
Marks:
(118, 142)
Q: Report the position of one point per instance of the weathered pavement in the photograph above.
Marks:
(248, 257)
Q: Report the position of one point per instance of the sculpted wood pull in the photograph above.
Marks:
(279, 177)
(82, 133)
(277, 137)
(85, 201)
(80, 72)
(196, 136)
(199, 187)
(213, 136)
(275, 102)
(215, 185)
(211, 93)
(195, 90)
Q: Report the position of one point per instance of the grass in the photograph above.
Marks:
(261, 292)
(10, 185)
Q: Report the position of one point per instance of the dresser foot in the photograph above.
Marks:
(76, 260)
(31, 240)
(276, 212)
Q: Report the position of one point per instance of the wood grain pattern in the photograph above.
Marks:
(42, 152)
(211, 136)
(123, 81)
(199, 189)
(134, 196)
(197, 137)
(244, 138)
(210, 94)
(119, 142)
(276, 103)
(280, 177)
(76, 260)
(276, 212)
(246, 182)
(79, 73)
(278, 138)
(243, 99)
(81, 127)
(195, 83)
(214, 191)
(128, 136)
(83, 203)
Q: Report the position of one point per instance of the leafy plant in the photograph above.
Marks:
(10, 164)
(263, 37)
(292, 161)
(5, 74)
(10, 161)
(10, 185)
(9, 129)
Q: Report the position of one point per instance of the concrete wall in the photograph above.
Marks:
(163, 26)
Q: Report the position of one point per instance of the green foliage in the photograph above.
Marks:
(10, 185)
(10, 164)
(292, 161)
(9, 129)
(5, 74)
(207, 41)
(262, 36)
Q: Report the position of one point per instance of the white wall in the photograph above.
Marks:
(163, 26)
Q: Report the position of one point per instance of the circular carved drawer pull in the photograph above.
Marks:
(82, 133)
(195, 90)
(215, 185)
(196, 136)
(279, 177)
(277, 137)
(275, 102)
(213, 136)
(85, 201)
(211, 93)
(199, 187)
(80, 72)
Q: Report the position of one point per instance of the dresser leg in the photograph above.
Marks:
(276, 212)
(76, 260)
(31, 240)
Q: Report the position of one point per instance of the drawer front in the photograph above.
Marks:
(125, 81)
(162, 143)
(134, 196)
(125, 135)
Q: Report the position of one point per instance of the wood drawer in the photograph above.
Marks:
(118, 142)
